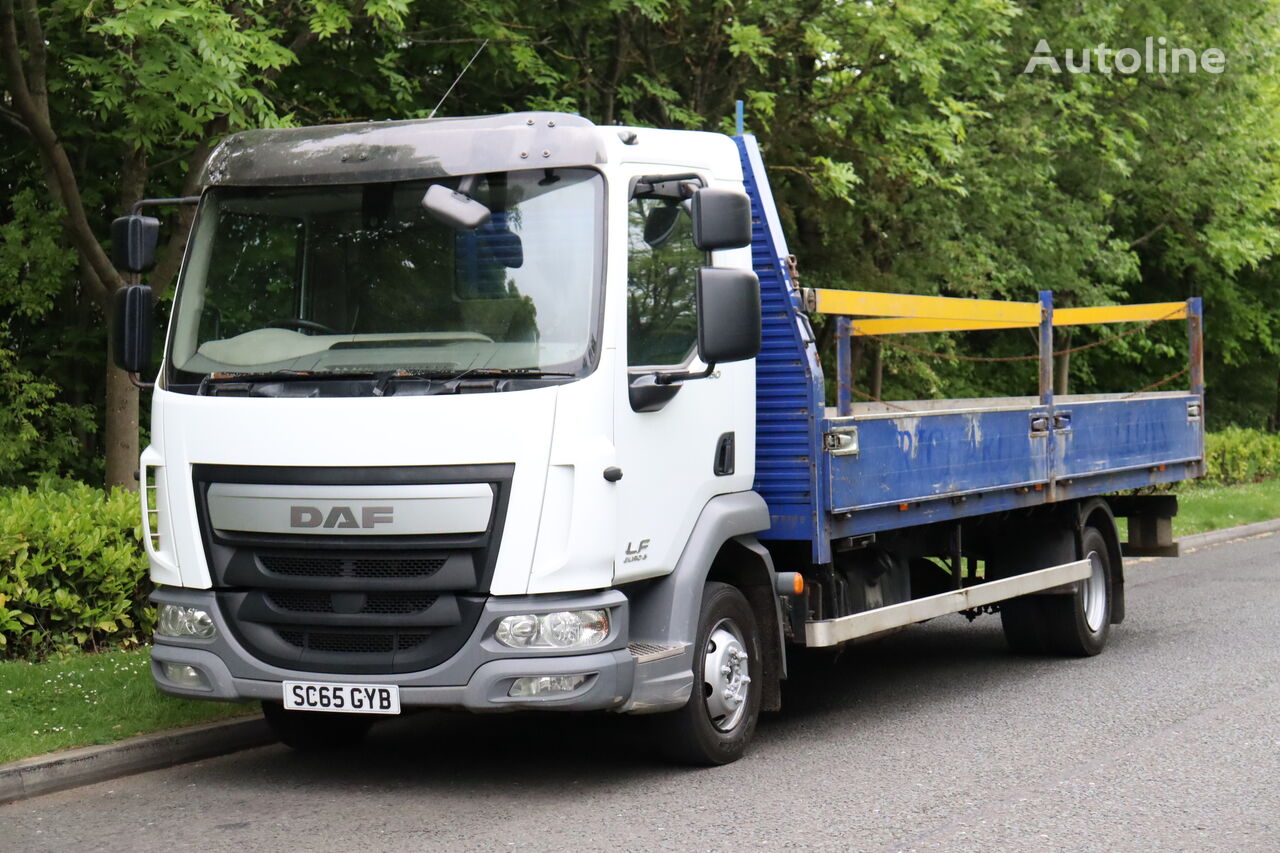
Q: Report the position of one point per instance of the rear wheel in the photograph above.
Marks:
(720, 718)
(1074, 624)
(315, 731)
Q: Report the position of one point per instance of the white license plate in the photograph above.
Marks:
(342, 698)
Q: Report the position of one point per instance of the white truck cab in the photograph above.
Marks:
(440, 407)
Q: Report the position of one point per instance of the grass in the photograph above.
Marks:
(1202, 508)
(88, 699)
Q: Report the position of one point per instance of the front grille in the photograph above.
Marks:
(313, 601)
(362, 604)
(353, 643)
(292, 565)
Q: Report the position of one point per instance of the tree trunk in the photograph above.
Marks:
(877, 370)
(1062, 377)
(857, 350)
(121, 439)
(1275, 416)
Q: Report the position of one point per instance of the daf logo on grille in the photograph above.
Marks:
(340, 516)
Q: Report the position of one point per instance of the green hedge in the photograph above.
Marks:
(1237, 455)
(73, 573)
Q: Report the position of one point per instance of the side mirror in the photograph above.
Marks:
(721, 219)
(131, 328)
(133, 242)
(728, 315)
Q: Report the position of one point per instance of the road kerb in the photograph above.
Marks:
(1228, 534)
(44, 774)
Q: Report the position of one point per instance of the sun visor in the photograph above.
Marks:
(374, 152)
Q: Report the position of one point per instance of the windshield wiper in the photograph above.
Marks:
(381, 379)
(220, 377)
(514, 373)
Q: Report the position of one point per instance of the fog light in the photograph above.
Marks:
(564, 629)
(177, 621)
(545, 685)
(185, 676)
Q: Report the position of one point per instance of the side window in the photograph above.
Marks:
(662, 269)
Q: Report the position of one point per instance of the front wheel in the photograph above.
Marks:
(720, 718)
(315, 731)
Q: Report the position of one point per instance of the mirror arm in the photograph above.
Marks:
(671, 378)
(153, 202)
(138, 383)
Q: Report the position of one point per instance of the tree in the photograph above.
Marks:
(907, 149)
(137, 82)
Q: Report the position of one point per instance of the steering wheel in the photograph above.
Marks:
(302, 325)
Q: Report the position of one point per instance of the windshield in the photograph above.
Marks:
(364, 279)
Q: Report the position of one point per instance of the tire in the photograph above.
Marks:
(315, 731)
(720, 718)
(1077, 624)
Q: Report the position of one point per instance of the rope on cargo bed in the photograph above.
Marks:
(1008, 358)
(866, 396)
(1172, 376)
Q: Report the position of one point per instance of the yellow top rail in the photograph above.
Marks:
(898, 313)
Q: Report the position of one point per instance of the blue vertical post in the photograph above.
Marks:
(1046, 388)
(844, 366)
(737, 117)
(1046, 347)
(1195, 358)
(1195, 349)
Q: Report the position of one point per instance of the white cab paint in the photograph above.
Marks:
(453, 429)
(667, 456)
(566, 527)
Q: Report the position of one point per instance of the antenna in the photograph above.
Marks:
(482, 46)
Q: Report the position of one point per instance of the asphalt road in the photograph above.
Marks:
(933, 739)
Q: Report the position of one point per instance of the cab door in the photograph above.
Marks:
(675, 448)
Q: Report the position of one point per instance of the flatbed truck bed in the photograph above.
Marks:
(915, 475)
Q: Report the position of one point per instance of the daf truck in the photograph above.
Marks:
(517, 412)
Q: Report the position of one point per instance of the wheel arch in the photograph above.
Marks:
(722, 547)
(744, 563)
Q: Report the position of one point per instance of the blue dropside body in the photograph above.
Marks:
(931, 461)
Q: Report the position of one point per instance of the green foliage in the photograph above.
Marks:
(37, 431)
(907, 150)
(72, 570)
(1236, 455)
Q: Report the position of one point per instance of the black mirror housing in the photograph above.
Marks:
(721, 219)
(133, 242)
(131, 328)
(728, 315)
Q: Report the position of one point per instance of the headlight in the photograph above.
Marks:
(178, 621)
(564, 629)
